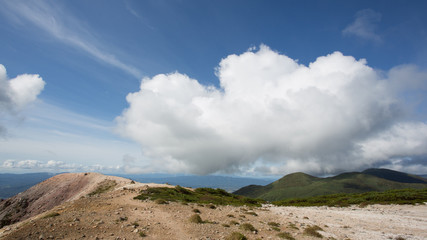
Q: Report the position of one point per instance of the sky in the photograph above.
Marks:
(243, 88)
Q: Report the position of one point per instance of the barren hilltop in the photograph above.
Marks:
(95, 206)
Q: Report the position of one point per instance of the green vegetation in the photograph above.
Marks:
(103, 187)
(273, 224)
(293, 226)
(232, 222)
(200, 195)
(196, 210)
(160, 201)
(142, 234)
(285, 235)
(251, 213)
(301, 185)
(401, 196)
(248, 227)
(312, 231)
(50, 215)
(196, 219)
(236, 236)
(276, 229)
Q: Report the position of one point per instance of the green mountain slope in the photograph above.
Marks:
(297, 185)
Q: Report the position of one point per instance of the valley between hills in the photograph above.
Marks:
(95, 206)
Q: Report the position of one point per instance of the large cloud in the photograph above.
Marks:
(273, 114)
(16, 93)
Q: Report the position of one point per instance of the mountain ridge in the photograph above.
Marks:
(296, 185)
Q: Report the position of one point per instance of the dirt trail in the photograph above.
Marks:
(371, 222)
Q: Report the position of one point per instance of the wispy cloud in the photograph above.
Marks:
(56, 139)
(54, 166)
(364, 25)
(64, 27)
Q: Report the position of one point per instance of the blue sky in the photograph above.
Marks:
(91, 55)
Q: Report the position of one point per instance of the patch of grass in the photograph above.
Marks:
(232, 222)
(251, 213)
(276, 229)
(285, 235)
(400, 196)
(161, 201)
(208, 196)
(293, 226)
(225, 225)
(196, 210)
(142, 234)
(50, 215)
(135, 224)
(312, 231)
(248, 227)
(211, 206)
(103, 187)
(236, 236)
(273, 224)
(196, 219)
(123, 219)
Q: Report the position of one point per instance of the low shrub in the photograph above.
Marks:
(312, 231)
(285, 235)
(232, 222)
(196, 219)
(161, 201)
(236, 236)
(273, 224)
(248, 227)
(50, 215)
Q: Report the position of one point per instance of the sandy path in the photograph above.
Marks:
(372, 222)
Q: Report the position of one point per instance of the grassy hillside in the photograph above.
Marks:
(400, 196)
(199, 195)
(299, 185)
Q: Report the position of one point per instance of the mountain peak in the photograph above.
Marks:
(394, 175)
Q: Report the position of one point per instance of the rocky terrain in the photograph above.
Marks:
(94, 206)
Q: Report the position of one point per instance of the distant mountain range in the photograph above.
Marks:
(297, 185)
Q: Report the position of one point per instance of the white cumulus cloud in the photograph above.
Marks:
(273, 112)
(18, 92)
